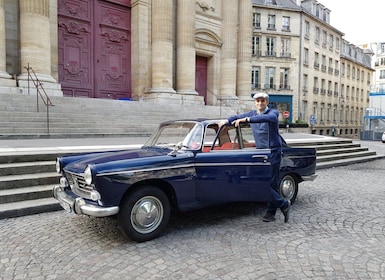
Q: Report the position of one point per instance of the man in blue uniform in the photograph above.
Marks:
(265, 126)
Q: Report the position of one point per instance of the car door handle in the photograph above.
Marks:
(263, 157)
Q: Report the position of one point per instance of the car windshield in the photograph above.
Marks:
(187, 134)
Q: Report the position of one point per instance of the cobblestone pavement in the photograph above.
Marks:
(336, 231)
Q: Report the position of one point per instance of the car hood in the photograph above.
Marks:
(125, 160)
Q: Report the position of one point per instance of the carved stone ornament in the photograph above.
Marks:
(205, 6)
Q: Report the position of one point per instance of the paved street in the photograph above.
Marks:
(336, 231)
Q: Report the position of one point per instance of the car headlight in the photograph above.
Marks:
(88, 175)
(58, 167)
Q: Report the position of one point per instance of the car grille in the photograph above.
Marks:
(78, 185)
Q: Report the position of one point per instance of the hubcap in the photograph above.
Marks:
(287, 188)
(147, 214)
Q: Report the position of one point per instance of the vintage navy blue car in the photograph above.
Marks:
(185, 165)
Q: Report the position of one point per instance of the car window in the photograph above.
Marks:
(170, 134)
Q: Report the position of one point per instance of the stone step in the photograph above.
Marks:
(24, 194)
(346, 161)
(344, 156)
(32, 167)
(28, 207)
(26, 180)
(340, 150)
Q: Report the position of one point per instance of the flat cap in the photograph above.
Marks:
(261, 94)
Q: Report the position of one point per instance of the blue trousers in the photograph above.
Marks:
(276, 200)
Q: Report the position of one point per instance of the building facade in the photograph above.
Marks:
(212, 53)
(374, 118)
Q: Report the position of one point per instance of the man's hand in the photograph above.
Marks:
(238, 121)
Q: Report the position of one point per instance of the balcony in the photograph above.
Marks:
(257, 54)
(282, 86)
(286, 55)
(270, 53)
(270, 86)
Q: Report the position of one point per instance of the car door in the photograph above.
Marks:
(232, 171)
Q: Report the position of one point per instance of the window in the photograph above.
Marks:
(305, 82)
(382, 47)
(337, 44)
(286, 23)
(269, 81)
(335, 89)
(323, 86)
(255, 78)
(382, 74)
(256, 20)
(307, 29)
(316, 87)
(271, 22)
(323, 64)
(317, 34)
(306, 56)
(324, 38)
(336, 67)
(256, 50)
(285, 47)
(316, 60)
(331, 41)
(330, 66)
(284, 78)
(270, 46)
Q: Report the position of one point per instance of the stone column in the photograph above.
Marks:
(35, 37)
(35, 43)
(162, 52)
(228, 68)
(5, 79)
(244, 51)
(185, 59)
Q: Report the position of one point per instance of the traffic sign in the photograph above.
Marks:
(286, 114)
(312, 119)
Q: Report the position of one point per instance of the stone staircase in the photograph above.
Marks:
(85, 117)
(27, 178)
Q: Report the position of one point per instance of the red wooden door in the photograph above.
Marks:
(201, 77)
(75, 51)
(112, 46)
(94, 48)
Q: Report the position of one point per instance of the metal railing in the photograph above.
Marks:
(40, 92)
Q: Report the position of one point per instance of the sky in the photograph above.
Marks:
(359, 20)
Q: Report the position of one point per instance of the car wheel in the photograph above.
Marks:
(288, 188)
(144, 214)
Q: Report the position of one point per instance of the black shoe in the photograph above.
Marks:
(286, 211)
(269, 217)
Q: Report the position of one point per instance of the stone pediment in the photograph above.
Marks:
(209, 37)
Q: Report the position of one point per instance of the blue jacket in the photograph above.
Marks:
(265, 127)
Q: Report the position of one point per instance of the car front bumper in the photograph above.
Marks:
(310, 177)
(79, 206)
